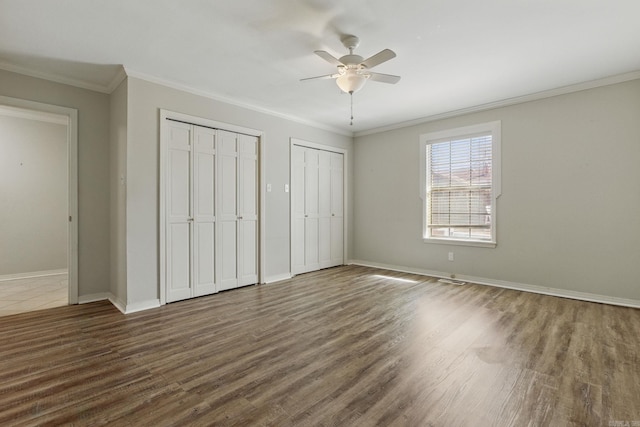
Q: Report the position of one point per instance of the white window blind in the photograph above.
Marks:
(460, 194)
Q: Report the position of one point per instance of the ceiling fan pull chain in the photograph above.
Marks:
(351, 97)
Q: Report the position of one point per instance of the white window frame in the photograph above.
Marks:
(433, 137)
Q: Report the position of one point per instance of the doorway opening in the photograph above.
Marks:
(38, 213)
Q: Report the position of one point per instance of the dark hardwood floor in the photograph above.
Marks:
(344, 346)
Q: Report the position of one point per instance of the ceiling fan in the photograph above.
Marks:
(353, 70)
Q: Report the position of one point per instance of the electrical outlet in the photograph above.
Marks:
(450, 256)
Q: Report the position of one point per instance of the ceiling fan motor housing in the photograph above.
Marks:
(351, 59)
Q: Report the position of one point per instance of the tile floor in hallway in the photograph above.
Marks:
(35, 293)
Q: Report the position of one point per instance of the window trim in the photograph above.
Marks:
(494, 128)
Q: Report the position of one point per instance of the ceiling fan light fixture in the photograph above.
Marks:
(353, 70)
(351, 81)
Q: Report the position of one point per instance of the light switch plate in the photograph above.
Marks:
(286, 188)
(268, 188)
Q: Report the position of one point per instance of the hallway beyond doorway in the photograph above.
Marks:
(35, 293)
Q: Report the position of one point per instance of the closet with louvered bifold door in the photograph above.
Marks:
(211, 210)
(317, 182)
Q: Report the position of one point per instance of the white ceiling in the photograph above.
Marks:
(452, 55)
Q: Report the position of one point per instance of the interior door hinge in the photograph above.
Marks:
(69, 218)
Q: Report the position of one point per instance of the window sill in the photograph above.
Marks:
(455, 242)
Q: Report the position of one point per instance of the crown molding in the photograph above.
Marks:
(592, 84)
(125, 72)
(117, 79)
(57, 78)
(41, 116)
(231, 101)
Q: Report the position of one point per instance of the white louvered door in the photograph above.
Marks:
(228, 211)
(297, 210)
(204, 211)
(190, 216)
(238, 202)
(211, 210)
(248, 210)
(178, 212)
(337, 208)
(317, 239)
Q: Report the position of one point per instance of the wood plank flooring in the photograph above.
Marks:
(339, 347)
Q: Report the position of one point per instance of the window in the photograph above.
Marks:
(460, 184)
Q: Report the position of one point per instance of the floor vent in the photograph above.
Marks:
(452, 282)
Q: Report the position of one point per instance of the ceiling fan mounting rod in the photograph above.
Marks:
(350, 42)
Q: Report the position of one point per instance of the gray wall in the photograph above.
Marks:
(33, 195)
(568, 217)
(145, 101)
(118, 172)
(93, 169)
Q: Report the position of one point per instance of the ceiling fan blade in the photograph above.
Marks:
(384, 78)
(328, 76)
(378, 58)
(328, 57)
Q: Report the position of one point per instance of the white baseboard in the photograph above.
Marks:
(118, 304)
(124, 308)
(563, 293)
(32, 274)
(141, 306)
(278, 278)
(85, 299)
